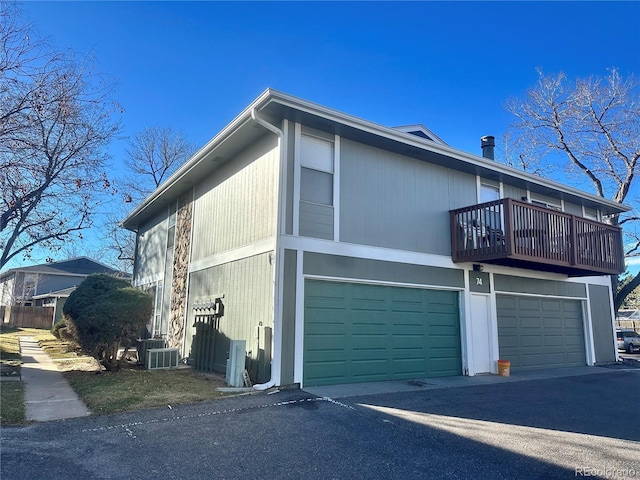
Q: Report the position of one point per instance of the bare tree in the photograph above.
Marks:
(590, 128)
(55, 122)
(152, 156)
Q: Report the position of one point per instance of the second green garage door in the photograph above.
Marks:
(536, 332)
(366, 333)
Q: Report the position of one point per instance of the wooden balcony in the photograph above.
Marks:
(517, 234)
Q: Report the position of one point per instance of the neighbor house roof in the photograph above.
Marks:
(274, 106)
(80, 266)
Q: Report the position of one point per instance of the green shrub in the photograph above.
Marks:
(105, 313)
(59, 325)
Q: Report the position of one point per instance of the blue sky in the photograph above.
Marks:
(448, 65)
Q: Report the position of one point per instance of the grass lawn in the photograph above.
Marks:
(12, 406)
(103, 392)
(134, 389)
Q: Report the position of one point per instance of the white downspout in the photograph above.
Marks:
(276, 363)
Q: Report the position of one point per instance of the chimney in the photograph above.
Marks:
(488, 143)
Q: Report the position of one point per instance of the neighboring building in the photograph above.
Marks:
(55, 299)
(28, 286)
(372, 253)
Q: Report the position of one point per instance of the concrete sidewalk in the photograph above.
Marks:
(47, 394)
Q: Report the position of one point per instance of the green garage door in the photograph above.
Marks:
(367, 333)
(540, 332)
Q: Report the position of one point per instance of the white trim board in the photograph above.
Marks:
(246, 251)
(316, 245)
(387, 283)
(539, 295)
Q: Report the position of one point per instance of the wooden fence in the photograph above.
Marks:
(628, 325)
(28, 317)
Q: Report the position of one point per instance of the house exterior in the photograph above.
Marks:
(29, 286)
(344, 251)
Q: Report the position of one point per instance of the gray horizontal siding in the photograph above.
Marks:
(510, 283)
(366, 269)
(393, 201)
(237, 205)
(316, 220)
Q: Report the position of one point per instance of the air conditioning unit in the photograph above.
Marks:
(235, 363)
(161, 358)
(147, 343)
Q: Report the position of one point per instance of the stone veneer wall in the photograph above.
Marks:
(180, 271)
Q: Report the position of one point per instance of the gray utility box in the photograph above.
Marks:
(235, 363)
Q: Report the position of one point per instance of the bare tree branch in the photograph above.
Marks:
(595, 124)
(56, 119)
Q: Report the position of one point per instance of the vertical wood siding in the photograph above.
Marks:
(151, 249)
(247, 286)
(509, 191)
(236, 206)
(600, 300)
(393, 201)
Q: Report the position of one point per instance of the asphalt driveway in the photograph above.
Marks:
(552, 428)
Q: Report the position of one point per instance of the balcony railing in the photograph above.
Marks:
(514, 233)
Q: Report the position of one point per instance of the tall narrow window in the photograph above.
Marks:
(157, 318)
(316, 176)
(171, 230)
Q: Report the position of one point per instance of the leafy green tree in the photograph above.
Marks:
(105, 313)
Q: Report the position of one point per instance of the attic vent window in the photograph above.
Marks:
(418, 133)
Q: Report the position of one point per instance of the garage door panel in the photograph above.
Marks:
(369, 341)
(574, 341)
(540, 332)
(554, 340)
(389, 333)
(531, 360)
(549, 306)
(408, 342)
(408, 367)
(508, 322)
(327, 341)
(530, 322)
(553, 322)
(369, 367)
(440, 367)
(327, 372)
(528, 304)
(530, 340)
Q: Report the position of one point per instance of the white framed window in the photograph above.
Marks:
(316, 172)
(590, 213)
(488, 192)
(157, 317)
(171, 229)
(546, 204)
